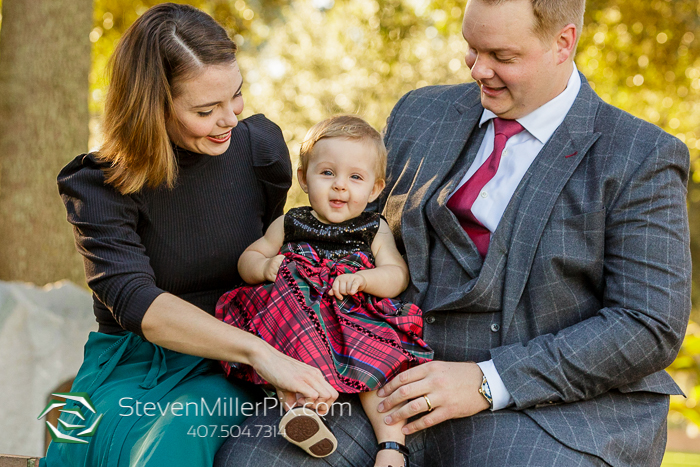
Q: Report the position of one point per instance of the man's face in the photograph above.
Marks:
(516, 71)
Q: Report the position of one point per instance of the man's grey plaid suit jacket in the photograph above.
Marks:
(591, 272)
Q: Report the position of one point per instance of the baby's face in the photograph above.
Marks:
(340, 179)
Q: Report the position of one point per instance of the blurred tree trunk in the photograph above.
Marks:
(44, 66)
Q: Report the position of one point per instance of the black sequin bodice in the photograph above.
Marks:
(331, 241)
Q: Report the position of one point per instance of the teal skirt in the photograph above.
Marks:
(158, 407)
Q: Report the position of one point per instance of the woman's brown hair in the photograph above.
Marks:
(169, 43)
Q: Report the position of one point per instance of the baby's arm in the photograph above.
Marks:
(387, 280)
(260, 261)
(382, 431)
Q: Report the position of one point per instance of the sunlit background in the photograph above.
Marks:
(308, 59)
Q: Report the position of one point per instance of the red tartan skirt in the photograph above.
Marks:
(359, 342)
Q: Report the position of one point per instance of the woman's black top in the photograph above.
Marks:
(185, 240)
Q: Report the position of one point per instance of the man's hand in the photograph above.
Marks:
(272, 265)
(451, 387)
(347, 284)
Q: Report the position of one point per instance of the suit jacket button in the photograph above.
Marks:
(495, 327)
(430, 319)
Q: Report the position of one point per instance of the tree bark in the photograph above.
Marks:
(44, 67)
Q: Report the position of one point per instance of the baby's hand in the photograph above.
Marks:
(272, 265)
(347, 284)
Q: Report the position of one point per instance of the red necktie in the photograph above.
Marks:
(462, 200)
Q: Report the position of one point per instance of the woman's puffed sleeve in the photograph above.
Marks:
(104, 224)
(271, 164)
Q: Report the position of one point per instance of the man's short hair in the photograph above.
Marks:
(552, 15)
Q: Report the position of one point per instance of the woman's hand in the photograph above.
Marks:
(347, 284)
(272, 265)
(297, 383)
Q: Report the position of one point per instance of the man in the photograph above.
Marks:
(583, 297)
(547, 239)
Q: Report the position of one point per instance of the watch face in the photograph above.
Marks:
(485, 391)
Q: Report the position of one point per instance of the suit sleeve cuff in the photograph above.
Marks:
(501, 395)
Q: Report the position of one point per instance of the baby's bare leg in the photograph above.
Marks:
(383, 432)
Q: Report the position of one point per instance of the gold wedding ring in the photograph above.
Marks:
(427, 401)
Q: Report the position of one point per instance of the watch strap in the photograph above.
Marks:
(396, 447)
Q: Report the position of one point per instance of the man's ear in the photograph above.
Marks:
(566, 43)
(301, 177)
(377, 189)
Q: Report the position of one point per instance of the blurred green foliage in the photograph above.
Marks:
(644, 56)
(305, 60)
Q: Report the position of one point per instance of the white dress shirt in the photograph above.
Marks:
(519, 153)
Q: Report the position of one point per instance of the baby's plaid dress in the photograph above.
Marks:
(359, 342)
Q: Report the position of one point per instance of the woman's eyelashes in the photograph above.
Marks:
(209, 112)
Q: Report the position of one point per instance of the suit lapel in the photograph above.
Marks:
(548, 175)
(443, 220)
(450, 134)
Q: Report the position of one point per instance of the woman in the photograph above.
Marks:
(161, 214)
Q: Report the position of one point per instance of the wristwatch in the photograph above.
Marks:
(485, 391)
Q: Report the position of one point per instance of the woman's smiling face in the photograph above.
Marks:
(206, 109)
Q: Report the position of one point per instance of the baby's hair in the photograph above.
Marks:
(348, 127)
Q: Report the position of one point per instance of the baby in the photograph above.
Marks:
(325, 276)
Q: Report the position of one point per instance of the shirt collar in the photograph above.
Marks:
(543, 122)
